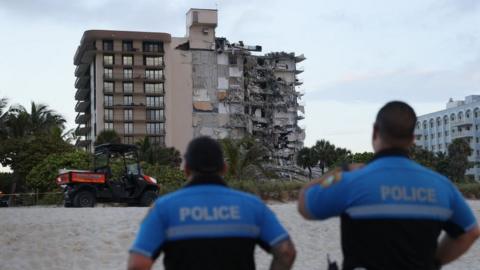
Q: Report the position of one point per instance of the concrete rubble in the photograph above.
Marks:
(237, 93)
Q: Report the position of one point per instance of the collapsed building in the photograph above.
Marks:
(249, 95)
(172, 89)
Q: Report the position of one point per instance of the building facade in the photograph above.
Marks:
(460, 119)
(172, 89)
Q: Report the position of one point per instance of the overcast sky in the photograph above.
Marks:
(360, 54)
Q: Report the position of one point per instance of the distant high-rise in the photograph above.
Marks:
(172, 89)
(460, 119)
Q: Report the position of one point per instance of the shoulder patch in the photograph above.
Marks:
(331, 179)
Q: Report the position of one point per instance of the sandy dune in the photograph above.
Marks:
(98, 238)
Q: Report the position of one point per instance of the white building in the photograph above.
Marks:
(460, 119)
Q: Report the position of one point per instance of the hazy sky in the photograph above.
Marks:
(360, 54)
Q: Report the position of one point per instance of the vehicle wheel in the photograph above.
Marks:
(84, 199)
(148, 197)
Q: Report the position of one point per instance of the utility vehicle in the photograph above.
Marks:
(116, 177)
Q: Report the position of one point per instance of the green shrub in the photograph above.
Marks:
(169, 178)
(470, 190)
(42, 177)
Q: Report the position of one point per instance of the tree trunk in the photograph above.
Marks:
(309, 172)
(13, 189)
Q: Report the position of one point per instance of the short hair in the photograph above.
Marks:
(204, 155)
(395, 122)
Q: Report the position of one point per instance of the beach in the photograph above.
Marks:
(99, 238)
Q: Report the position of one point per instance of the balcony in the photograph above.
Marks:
(299, 58)
(82, 118)
(463, 134)
(84, 54)
(298, 82)
(150, 78)
(299, 70)
(81, 70)
(82, 106)
(82, 82)
(463, 122)
(82, 94)
(156, 119)
(82, 131)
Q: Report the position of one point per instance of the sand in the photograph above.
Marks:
(98, 238)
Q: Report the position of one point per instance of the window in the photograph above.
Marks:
(128, 115)
(127, 87)
(446, 133)
(108, 87)
(476, 139)
(439, 135)
(154, 88)
(128, 100)
(127, 73)
(425, 137)
(431, 123)
(109, 125)
(424, 124)
(157, 140)
(232, 59)
(432, 136)
(128, 139)
(153, 60)
(127, 60)
(155, 128)
(127, 46)
(154, 115)
(418, 125)
(108, 100)
(108, 114)
(107, 73)
(108, 45)
(153, 74)
(445, 120)
(154, 101)
(439, 146)
(108, 59)
(128, 128)
(152, 46)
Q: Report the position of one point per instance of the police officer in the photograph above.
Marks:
(207, 225)
(393, 210)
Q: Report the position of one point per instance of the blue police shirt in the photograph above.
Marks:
(208, 225)
(392, 212)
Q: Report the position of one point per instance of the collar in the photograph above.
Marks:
(206, 180)
(391, 152)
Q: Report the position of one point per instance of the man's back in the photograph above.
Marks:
(392, 212)
(208, 226)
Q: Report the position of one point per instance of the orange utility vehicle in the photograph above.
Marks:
(116, 177)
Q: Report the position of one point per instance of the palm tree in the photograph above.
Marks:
(307, 158)
(107, 136)
(458, 152)
(245, 158)
(19, 127)
(40, 120)
(3, 116)
(326, 154)
(158, 154)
